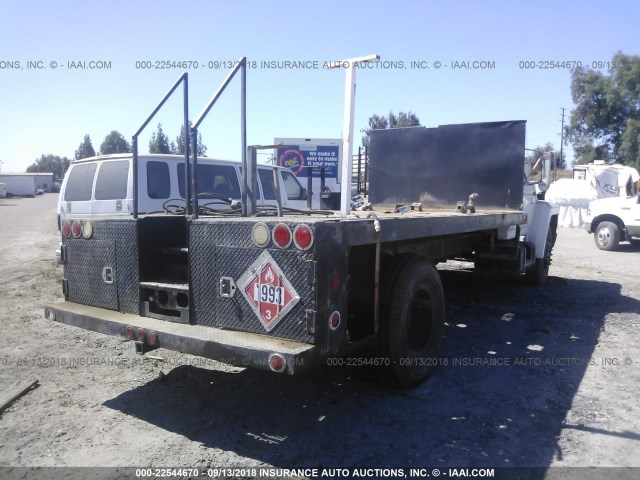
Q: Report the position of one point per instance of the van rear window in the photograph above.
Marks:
(158, 181)
(80, 183)
(112, 181)
(220, 179)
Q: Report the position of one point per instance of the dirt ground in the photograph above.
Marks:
(542, 377)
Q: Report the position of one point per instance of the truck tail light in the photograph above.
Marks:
(260, 235)
(87, 229)
(277, 363)
(140, 334)
(66, 228)
(334, 320)
(76, 229)
(303, 237)
(153, 338)
(131, 334)
(282, 235)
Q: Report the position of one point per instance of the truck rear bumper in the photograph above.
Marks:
(235, 348)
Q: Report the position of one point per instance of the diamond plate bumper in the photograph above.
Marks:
(236, 348)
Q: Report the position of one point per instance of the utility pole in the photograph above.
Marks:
(562, 135)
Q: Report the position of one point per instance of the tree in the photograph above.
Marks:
(114, 143)
(85, 149)
(159, 142)
(403, 120)
(561, 161)
(50, 163)
(605, 123)
(377, 122)
(202, 148)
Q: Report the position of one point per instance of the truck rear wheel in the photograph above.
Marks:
(607, 236)
(412, 322)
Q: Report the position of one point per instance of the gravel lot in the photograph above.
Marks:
(530, 377)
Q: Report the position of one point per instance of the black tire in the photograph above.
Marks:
(538, 274)
(412, 322)
(607, 236)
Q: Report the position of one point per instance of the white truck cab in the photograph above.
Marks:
(613, 220)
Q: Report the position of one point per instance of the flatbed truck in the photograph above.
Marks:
(287, 290)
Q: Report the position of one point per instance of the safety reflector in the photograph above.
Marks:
(277, 363)
(334, 320)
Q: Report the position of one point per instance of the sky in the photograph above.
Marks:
(71, 68)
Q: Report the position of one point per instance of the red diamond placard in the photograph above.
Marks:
(269, 293)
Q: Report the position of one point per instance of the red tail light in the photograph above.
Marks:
(153, 338)
(282, 235)
(277, 363)
(130, 333)
(303, 237)
(76, 228)
(334, 320)
(66, 228)
(140, 335)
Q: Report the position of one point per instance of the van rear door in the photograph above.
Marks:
(77, 189)
(112, 194)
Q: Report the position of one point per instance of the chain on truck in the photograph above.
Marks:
(288, 289)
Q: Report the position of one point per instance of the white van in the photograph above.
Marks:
(102, 185)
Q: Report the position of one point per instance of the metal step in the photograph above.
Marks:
(180, 287)
(165, 301)
(176, 250)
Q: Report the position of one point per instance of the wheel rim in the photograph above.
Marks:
(604, 236)
(420, 331)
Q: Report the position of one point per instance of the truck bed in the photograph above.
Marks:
(410, 225)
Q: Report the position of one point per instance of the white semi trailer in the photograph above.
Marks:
(18, 184)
